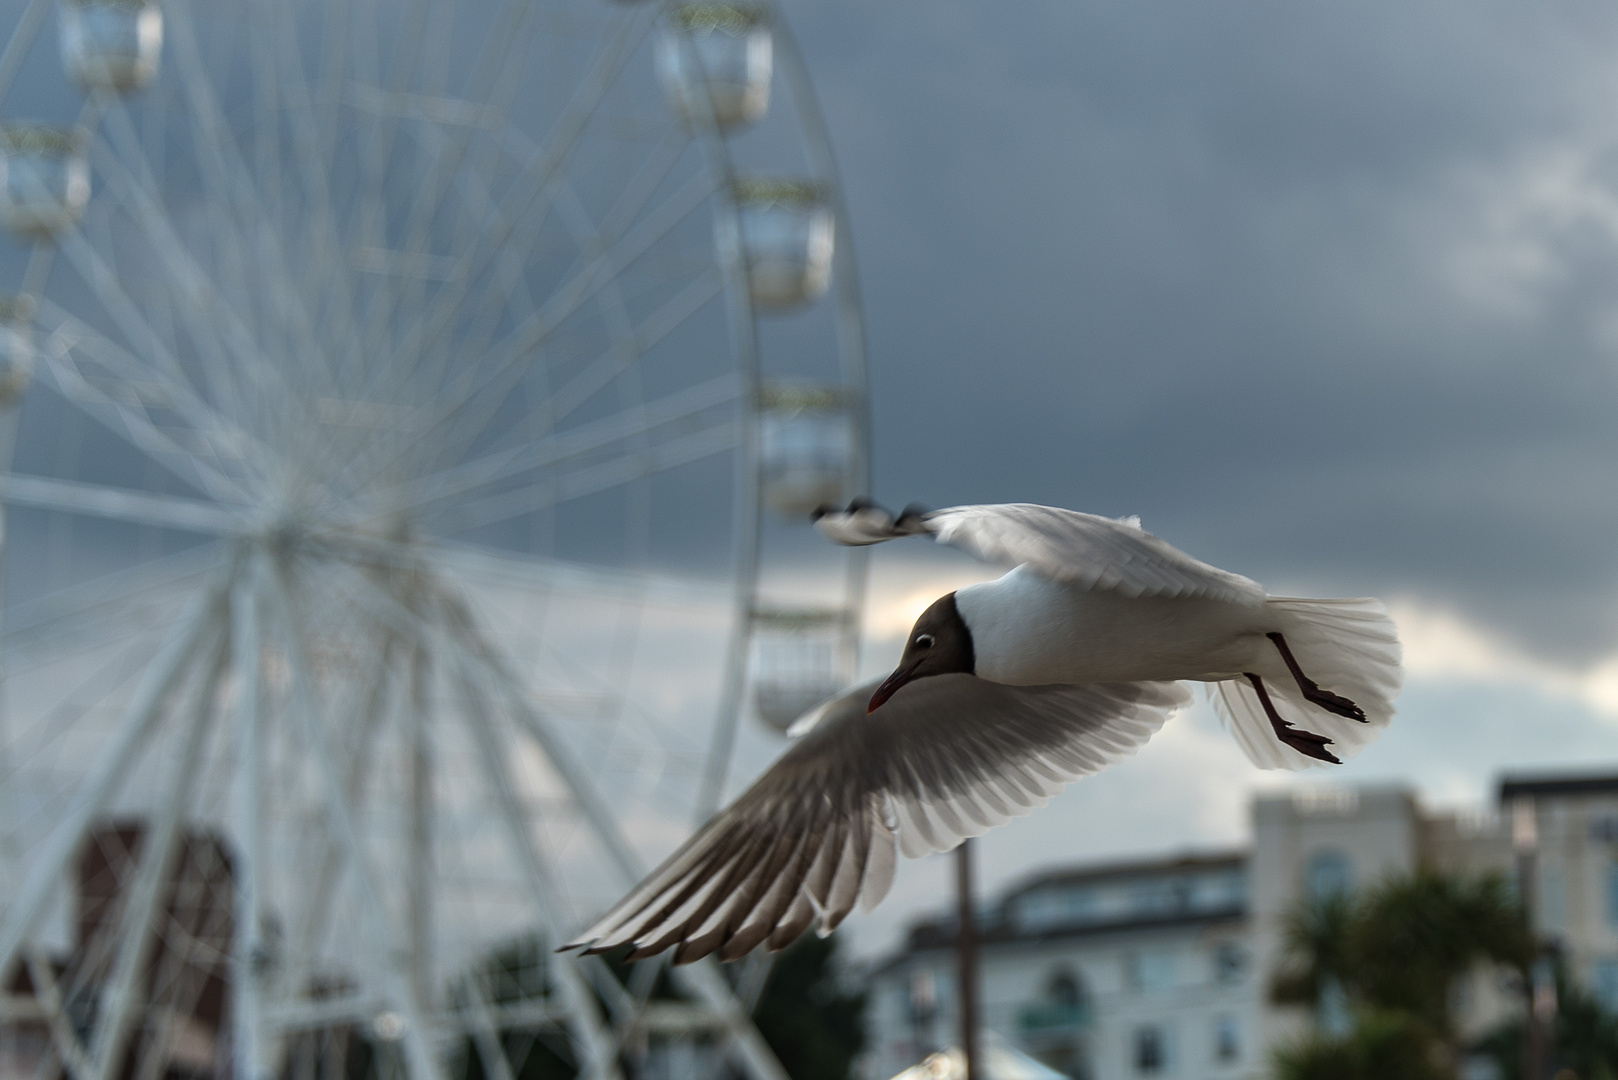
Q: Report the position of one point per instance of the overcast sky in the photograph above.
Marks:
(1327, 293)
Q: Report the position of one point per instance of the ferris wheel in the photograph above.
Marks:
(410, 415)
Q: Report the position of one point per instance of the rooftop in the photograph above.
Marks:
(1554, 786)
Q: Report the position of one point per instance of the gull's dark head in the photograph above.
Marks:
(939, 644)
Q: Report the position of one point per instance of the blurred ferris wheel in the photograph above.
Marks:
(416, 409)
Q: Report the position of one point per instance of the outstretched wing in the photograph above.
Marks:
(945, 758)
(1064, 545)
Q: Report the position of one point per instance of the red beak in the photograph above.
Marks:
(889, 686)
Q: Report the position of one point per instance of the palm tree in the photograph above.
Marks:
(1393, 957)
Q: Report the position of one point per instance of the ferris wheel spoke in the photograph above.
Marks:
(129, 176)
(380, 144)
(329, 289)
(599, 263)
(485, 1035)
(481, 392)
(509, 282)
(192, 284)
(135, 507)
(120, 405)
(22, 37)
(53, 725)
(48, 993)
(336, 36)
(223, 170)
(616, 255)
(471, 422)
(30, 623)
(527, 199)
(565, 484)
(497, 72)
(584, 439)
(615, 314)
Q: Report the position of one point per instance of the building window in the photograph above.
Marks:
(1064, 990)
(1328, 874)
(1062, 1008)
(1151, 1051)
(1151, 899)
(1042, 909)
(923, 998)
(1228, 963)
(1227, 1040)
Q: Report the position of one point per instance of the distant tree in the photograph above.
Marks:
(1391, 959)
(811, 1022)
(1317, 964)
(1379, 1046)
(808, 1017)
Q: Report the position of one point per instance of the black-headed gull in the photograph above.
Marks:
(1006, 692)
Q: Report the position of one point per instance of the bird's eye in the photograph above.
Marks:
(924, 640)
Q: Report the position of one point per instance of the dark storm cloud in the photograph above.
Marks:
(1326, 292)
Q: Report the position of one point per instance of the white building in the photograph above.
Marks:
(1161, 968)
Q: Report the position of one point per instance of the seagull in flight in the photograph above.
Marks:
(1006, 692)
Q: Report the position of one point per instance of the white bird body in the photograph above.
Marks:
(1030, 631)
(1006, 692)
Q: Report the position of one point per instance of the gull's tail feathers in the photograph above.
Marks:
(1349, 647)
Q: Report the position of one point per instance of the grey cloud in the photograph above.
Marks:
(1323, 292)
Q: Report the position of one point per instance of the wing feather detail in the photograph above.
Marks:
(945, 758)
(1064, 545)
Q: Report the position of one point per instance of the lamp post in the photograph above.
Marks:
(966, 952)
(1539, 991)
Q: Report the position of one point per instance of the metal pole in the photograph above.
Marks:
(1524, 841)
(966, 955)
(247, 1036)
(422, 876)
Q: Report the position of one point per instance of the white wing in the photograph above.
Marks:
(947, 757)
(1064, 545)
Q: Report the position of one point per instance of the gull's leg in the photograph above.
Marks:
(1332, 703)
(1304, 742)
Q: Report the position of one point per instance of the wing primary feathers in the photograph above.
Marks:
(818, 834)
(753, 925)
(712, 926)
(727, 847)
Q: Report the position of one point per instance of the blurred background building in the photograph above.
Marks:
(1164, 967)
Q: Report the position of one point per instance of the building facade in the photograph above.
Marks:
(1162, 968)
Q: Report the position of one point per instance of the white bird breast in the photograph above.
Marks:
(1030, 631)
